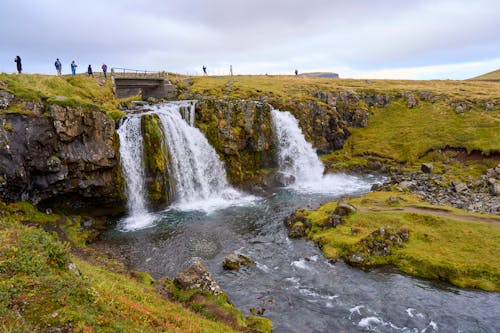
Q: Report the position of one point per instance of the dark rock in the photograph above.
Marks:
(5, 99)
(426, 167)
(494, 186)
(198, 277)
(378, 100)
(257, 311)
(326, 97)
(284, 179)
(410, 99)
(460, 107)
(233, 262)
(344, 209)
(354, 230)
(334, 221)
(297, 224)
(426, 96)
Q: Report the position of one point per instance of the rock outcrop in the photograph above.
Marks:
(68, 153)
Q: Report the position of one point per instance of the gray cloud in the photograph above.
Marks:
(255, 36)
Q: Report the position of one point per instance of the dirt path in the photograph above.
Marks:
(434, 212)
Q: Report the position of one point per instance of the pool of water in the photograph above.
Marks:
(299, 289)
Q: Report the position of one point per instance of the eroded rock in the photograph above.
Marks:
(198, 277)
(234, 262)
(5, 99)
(344, 209)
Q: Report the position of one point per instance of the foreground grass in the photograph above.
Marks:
(449, 248)
(45, 288)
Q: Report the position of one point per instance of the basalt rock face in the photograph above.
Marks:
(68, 155)
(241, 133)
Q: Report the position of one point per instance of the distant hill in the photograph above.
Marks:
(330, 75)
(491, 76)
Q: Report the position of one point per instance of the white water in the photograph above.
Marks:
(199, 175)
(297, 157)
(131, 153)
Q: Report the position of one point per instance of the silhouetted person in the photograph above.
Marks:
(104, 69)
(296, 72)
(58, 66)
(231, 70)
(18, 64)
(73, 68)
(89, 71)
(204, 70)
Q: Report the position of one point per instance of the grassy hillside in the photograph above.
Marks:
(44, 287)
(491, 76)
(444, 243)
(394, 132)
(63, 90)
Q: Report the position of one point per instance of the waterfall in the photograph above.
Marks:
(296, 156)
(187, 111)
(131, 153)
(199, 176)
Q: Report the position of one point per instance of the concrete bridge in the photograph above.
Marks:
(130, 82)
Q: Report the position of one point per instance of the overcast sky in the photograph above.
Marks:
(418, 39)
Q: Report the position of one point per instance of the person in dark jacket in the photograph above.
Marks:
(73, 68)
(104, 70)
(18, 64)
(89, 71)
(58, 66)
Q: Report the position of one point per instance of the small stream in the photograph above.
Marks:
(300, 290)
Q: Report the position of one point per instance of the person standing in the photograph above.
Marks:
(296, 72)
(58, 66)
(231, 70)
(18, 64)
(89, 71)
(73, 68)
(104, 69)
(204, 70)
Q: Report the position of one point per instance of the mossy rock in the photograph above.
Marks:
(260, 324)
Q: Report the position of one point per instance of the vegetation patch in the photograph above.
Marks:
(458, 247)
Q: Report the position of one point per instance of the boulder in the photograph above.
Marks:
(494, 186)
(198, 277)
(233, 262)
(334, 221)
(5, 99)
(344, 209)
(426, 167)
(489, 106)
(284, 179)
(298, 225)
(460, 187)
(410, 99)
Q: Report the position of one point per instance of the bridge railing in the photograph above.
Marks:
(127, 72)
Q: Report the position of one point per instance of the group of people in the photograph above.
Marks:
(73, 66)
(58, 66)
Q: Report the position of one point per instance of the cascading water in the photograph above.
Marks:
(131, 153)
(198, 173)
(298, 158)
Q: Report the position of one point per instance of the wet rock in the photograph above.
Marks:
(334, 221)
(233, 262)
(426, 167)
(5, 99)
(298, 225)
(284, 179)
(410, 99)
(344, 209)
(257, 311)
(198, 277)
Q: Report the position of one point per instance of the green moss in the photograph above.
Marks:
(156, 159)
(259, 324)
(448, 246)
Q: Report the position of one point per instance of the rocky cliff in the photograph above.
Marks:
(62, 156)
